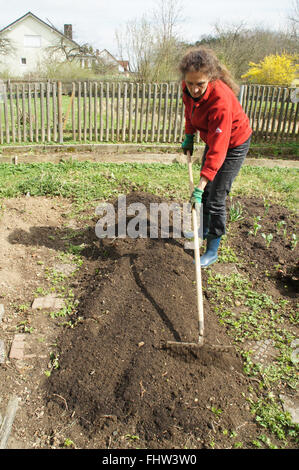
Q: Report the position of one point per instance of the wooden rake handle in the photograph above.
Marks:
(197, 254)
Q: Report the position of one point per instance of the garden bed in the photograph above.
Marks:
(96, 374)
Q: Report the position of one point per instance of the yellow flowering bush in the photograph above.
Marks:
(274, 69)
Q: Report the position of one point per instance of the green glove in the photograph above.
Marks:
(196, 196)
(188, 144)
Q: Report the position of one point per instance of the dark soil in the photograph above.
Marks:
(116, 377)
(279, 260)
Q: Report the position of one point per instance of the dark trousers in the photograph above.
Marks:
(216, 191)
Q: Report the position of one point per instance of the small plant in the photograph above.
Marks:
(256, 226)
(257, 444)
(23, 308)
(294, 241)
(238, 445)
(268, 238)
(53, 364)
(22, 327)
(267, 206)
(216, 411)
(280, 225)
(235, 212)
(68, 443)
(132, 437)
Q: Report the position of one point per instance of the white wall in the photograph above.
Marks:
(33, 55)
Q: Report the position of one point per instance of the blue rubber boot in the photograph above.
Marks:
(211, 254)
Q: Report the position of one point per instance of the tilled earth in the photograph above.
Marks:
(113, 384)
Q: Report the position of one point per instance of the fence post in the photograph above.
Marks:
(59, 102)
(241, 93)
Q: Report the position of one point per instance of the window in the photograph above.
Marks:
(32, 41)
(23, 61)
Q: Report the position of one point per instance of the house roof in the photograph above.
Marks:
(41, 21)
(123, 63)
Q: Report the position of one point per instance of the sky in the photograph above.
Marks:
(96, 21)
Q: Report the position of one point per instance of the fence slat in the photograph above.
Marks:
(136, 113)
(295, 123)
(131, 94)
(42, 112)
(101, 111)
(285, 119)
(276, 99)
(107, 111)
(153, 123)
(54, 105)
(18, 113)
(36, 113)
(12, 114)
(142, 112)
(176, 117)
(60, 114)
(73, 97)
(165, 112)
(7, 132)
(118, 111)
(79, 119)
(124, 125)
(170, 112)
(90, 111)
(30, 113)
(95, 107)
(112, 112)
(48, 110)
(159, 111)
(281, 111)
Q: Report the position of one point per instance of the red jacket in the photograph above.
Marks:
(220, 120)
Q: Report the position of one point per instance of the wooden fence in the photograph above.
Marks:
(127, 112)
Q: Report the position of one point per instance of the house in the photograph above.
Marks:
(110, 61)
(32, 41)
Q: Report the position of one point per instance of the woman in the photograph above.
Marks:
(212, 108)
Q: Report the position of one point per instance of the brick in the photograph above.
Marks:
(48, 302)
(17, 347)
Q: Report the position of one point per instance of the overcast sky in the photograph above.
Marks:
(95, 21)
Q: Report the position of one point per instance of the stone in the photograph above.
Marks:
(2, 351)
(225, 269)
(66, 269)
(48, 302)
(17, 347)
(263, 352)
(291, 405)
(1, 311)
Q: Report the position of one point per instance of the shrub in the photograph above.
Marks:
(273, 70)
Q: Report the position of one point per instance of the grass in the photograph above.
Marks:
(88, 181)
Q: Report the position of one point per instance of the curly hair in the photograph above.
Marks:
(204, 59)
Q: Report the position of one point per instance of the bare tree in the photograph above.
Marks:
(294, 19)
(151, 43)
(6, 46)
(69, 53)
